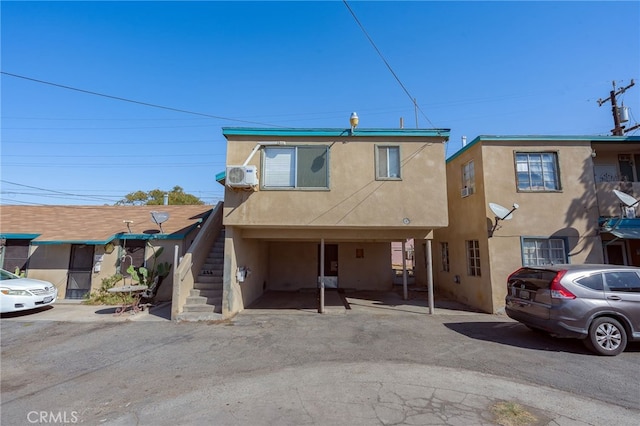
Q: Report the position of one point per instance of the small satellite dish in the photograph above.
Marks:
(159, 218)
(626, 199)
(502, 213)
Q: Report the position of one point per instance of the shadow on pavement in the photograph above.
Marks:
(26, 312)
(518, 335)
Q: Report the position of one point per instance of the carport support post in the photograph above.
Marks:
(321, 307)
(430, 277)
(405, 294)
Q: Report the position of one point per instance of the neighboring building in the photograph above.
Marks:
(75, 247)
(563, 186)
(291, 192)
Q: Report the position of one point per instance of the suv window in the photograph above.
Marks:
(594, 282)
(622, 281)
(537, 278)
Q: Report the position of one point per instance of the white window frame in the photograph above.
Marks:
(392, 161)
(534, 164)
(539, 251)
(280, 172)
(473, 258)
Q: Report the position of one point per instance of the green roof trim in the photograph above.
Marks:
(19, 236)
(545, 138)
(252, 131)
(59, 242)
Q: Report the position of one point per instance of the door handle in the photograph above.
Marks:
(614, 298)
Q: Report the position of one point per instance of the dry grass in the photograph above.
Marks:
(512, 414)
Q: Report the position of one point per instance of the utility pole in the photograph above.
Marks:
(618, 130)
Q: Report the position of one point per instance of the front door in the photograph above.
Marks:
(79, 276)
(615, 254)
(330, 265)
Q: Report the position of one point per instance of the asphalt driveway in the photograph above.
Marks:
(378, 362)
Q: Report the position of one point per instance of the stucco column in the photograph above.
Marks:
(430, 277)
(321, 307)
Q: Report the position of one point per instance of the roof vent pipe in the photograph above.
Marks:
(464, 141)
(166, 199)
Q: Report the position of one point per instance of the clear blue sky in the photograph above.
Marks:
(475, 67)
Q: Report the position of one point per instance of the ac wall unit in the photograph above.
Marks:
(465, 192)
(241, 176)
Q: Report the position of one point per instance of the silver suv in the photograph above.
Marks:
(599, 304)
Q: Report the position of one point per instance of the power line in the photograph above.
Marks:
(413, 100)
(51, 190)
(134, 101)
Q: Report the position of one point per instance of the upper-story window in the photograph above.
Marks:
(305, 166)
(387, 162)
(468, 178)
(537, 171)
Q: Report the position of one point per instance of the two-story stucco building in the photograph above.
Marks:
(563, 187)
(301, 204)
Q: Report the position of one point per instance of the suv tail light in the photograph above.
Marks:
(557, 290)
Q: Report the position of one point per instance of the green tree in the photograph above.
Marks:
(155, 197)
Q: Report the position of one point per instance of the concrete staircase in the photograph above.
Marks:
(205, 300)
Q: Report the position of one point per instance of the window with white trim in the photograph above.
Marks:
(387, 162)
(296, 167)
(469, 177)
(473, 258)
(444, 251)
(537, 171)
(543, 251)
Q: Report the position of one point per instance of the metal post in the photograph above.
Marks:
(430, 277)
(321, 307)
(405, 292)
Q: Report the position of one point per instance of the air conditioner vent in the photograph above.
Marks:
(241, 176)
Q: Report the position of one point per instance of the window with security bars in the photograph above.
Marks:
(473, 258)
(537, 171)
(543, 251)
(444, 252)
(296, 167)
(388, 162)
(15, 254)
(132, 253)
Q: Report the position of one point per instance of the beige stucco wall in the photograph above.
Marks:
(294, 266)
(50, 263)
(355, 199)
(245, 253)
(571, 212)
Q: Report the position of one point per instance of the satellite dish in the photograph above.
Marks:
(159, 218)
(502, 213)
(626, 199)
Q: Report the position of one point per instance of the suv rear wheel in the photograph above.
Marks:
(606, 337)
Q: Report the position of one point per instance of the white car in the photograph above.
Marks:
(19, 294)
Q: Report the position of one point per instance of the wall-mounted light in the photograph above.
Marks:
(353, 120)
